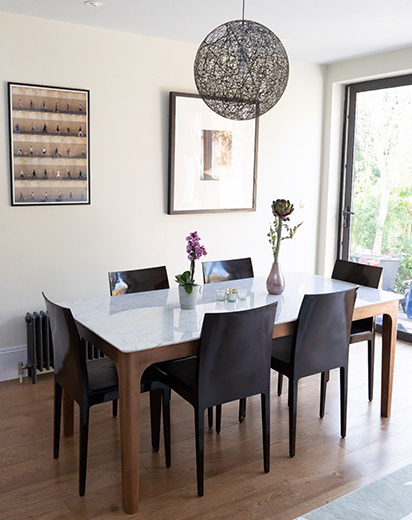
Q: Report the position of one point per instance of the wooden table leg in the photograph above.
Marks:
(68, 411)
(129, 373)
(388, 357)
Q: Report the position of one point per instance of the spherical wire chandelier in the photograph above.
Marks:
(241, 69)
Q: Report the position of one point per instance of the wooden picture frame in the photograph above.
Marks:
(212, 160)
(49, 145)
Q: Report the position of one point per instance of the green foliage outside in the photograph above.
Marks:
(382, 188)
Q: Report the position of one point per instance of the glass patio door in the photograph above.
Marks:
(376, 203)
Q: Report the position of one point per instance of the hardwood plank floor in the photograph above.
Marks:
(35, 486)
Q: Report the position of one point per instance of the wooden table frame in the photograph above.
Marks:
(130, 367)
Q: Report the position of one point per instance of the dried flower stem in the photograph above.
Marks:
(278, 240)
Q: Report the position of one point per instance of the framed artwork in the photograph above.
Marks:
(212, 160)
(49, 145)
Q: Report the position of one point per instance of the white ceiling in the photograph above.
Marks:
(320, 31)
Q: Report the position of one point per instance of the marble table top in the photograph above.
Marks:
(141, 321)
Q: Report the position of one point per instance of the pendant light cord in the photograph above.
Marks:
(241, 54)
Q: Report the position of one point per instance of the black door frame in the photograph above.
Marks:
(348, 143)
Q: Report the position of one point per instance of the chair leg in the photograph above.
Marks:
(155, 412)
(343, 400)
(210, 417)
(199, 425)
(218, 417)
(280, 383)
(166, 424)
(293, 402)
(57, 418)
(324, 378)
(84, 434)
(242, 409)
(265, 402)
(371, 365)
(114, 407)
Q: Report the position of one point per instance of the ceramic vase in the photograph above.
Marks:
(188, 301)
(275, 283)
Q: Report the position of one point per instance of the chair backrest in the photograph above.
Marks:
(360, 274)
(225, 270)
(138, 280)
(234, 355)
(323, 332)
(69, 363)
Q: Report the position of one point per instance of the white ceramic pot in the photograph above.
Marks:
(188, 301)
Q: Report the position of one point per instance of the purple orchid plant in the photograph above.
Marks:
(194, 251)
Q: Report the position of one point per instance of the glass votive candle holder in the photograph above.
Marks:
(232, 295)
(242, 294)
(220, 295)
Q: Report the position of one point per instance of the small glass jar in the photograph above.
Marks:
(232, 295)
(220, 295)
(242, 294)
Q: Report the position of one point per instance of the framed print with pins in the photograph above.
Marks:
(49, 145)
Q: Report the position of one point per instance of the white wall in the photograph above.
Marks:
(338, 76)
(67, 251)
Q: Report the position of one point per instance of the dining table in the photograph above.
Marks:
(137, 330)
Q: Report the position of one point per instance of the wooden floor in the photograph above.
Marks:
(35, 486)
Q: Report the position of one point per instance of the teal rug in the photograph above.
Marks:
(389, 498)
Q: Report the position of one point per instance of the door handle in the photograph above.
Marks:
(346, 217)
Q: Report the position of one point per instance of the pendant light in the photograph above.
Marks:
(241, 69)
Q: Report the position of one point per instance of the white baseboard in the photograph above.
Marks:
(9, 361)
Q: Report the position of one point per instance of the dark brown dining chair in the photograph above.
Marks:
(136, 281)
(319, 344)
(233, 363)
(87, 382)
(362, 330)
(221, 271)
(225, 270)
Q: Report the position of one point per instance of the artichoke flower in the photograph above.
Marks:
(281, 209)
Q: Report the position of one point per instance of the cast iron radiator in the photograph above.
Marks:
(40, 347)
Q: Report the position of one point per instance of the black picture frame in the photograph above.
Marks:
(49, 145)
(212, 160)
